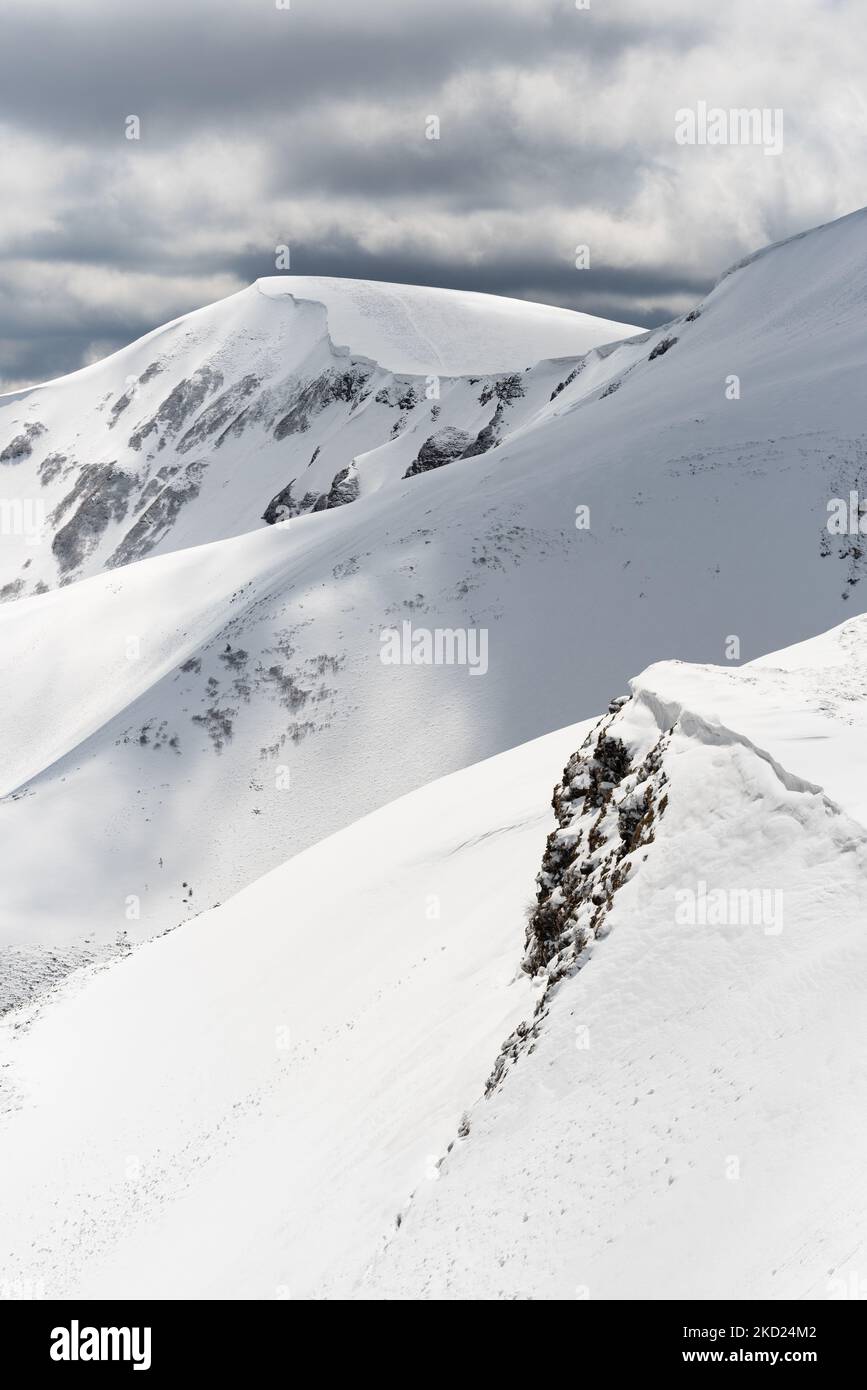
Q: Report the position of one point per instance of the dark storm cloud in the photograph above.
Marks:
(307, 124)
(82, 67)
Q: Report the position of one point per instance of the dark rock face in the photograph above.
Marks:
(158, 518)
(487, 438)
(441, 448)
(178, 406)
(123, 402)
(21, 446)
(561, 386)
(315, 396)
(607, 807)
(400, 394)
(662, 348)
(344, 488)
(282, 506)
(220, 413)
(50, 467)
(505, 388)
(100, 496)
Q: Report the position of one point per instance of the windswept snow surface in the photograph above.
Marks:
(173, 728)
(420, 331)
(187, 435)
(243, 1107)
(691, 1121)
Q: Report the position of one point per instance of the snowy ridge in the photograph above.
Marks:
(237, 1098)
(642, 1123)
(253, 410)
(233, 672)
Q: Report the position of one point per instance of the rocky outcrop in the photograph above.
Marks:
(607, 807)
(314, 396)
(283, 506)
(100, 496)
(158, 518)
(439, 449)
(21, 446)
(344, 487)
(661, 348)
(561, 385)
(178, 406)
(220, 413)
(505, 388)
(488, 437)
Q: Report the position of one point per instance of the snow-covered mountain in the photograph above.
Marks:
(297, 394)
(177, 726)
(306, 1092)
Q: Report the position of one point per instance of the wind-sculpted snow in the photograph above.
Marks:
(278, 385)
(276, 1077)
(689, 1078)
(593, 537)
(683, 1058)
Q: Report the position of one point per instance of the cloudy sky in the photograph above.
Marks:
(306, 125)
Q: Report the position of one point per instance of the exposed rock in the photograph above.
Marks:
(662, 348)
(488, 437)
(400, 394)
(324, 390)
(282, 506)
(100, 496)
(50, 467)
(219, 413)
(179, 405)
(344, 487)
(606, 806)
(561, 386)
(505, 388)
(441, 448)
(158, 518)
(21, 446)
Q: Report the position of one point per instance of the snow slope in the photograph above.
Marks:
(690, 1122)
(243, 1107)
(175, 728)
(190, 433)
(418, 331)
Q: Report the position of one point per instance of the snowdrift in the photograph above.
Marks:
(306, 1093)
(176, 727)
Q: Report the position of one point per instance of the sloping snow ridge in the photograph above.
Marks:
(175, 727)
(289, 1095)
(682, 1116)
(262, 400)
(419, 331)
(243, 1107)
